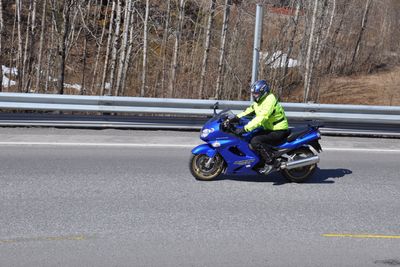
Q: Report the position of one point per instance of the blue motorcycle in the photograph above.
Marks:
(229, 154)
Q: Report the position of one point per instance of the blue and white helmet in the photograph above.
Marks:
(259, 89)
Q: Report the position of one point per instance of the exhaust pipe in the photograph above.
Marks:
(301, 163)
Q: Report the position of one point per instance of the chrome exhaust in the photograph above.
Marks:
(300, 163)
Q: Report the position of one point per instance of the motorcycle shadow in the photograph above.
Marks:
(321, 176)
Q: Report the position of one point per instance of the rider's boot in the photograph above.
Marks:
(268, 160)
(266, 169)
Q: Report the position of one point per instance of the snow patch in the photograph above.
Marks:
(73, 86)
(278, 60)
(7, 82)
(7, 71)
(14, 72)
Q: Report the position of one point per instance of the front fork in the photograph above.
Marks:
(208, 163)
(207, 150)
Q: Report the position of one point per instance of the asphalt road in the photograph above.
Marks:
(126, 198)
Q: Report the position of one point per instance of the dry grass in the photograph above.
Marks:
(382, 88)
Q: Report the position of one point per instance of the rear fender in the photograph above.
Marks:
(315, 144)
(204, 149)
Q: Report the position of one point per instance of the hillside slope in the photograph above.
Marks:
(382, 88)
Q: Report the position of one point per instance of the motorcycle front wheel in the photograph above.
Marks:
(205, 168)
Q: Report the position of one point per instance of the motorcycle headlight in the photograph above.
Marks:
(206, 132)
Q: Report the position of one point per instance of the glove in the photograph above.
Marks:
(234, 119)
(240, 131)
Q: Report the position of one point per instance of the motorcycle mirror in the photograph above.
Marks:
(215, 107)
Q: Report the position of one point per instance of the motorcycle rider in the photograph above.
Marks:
(270, 116)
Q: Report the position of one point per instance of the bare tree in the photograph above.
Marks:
(51, 49)
(18, 7)
(1, 41)
(84, 60)
(122, 59)
(39, 63)
(107, 56)
(29, 43)
(145, 44)
(164, 46)
(115, 43)
(291, 42)
(308, 67)
(132, 36)
(178, 32)
(225, 23)
(99, 49)
(206, 47)
(362, 30)
(62, 20)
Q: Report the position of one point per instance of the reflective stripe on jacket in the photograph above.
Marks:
(269, 114)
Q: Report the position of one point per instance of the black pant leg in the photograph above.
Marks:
(265, 140)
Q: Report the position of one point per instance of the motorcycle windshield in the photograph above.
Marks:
(221, 116)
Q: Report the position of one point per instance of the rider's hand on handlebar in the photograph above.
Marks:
(235, 119)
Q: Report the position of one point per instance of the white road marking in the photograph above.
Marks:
(91, 144)
(172, 146)
(361, 149)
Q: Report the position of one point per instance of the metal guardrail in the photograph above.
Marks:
(186, 107)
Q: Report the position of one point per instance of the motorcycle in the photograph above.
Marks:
(230, 154)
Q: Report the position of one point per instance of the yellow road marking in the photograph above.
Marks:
(51, 238)
(363, 236)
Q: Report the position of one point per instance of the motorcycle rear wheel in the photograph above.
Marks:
(198, 168)
(300, 175)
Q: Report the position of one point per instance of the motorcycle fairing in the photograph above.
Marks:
(204, 149)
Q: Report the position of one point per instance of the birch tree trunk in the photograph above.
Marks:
(1, 41)
(110, 37)
(178, 33)
(362, 30)
(206, 48)
(222, 48)
(19, 33)
(145, 43)
(63, 46)
(12, 51)
(132, 37)
(29, 42)
(122, 59)
(164, 47)
(291, 43)
(99, 47)
(115, 46)
(193, 56)
(62, 23)
(24, 60)
(84, 58)
(334, 37)
(39, 63)
(307, 76)
(50, 49)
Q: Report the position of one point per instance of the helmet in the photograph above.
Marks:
(259, 89)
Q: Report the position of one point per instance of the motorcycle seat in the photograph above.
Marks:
(297, 132)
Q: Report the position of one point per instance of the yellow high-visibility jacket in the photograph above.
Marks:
(269, 114)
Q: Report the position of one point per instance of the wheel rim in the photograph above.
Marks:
(200, 168)
(300, 173)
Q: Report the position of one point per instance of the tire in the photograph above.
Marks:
(300, 175)
(201, 172)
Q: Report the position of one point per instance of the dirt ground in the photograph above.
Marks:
(382, 88)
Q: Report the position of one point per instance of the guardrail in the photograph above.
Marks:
(186, 107)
